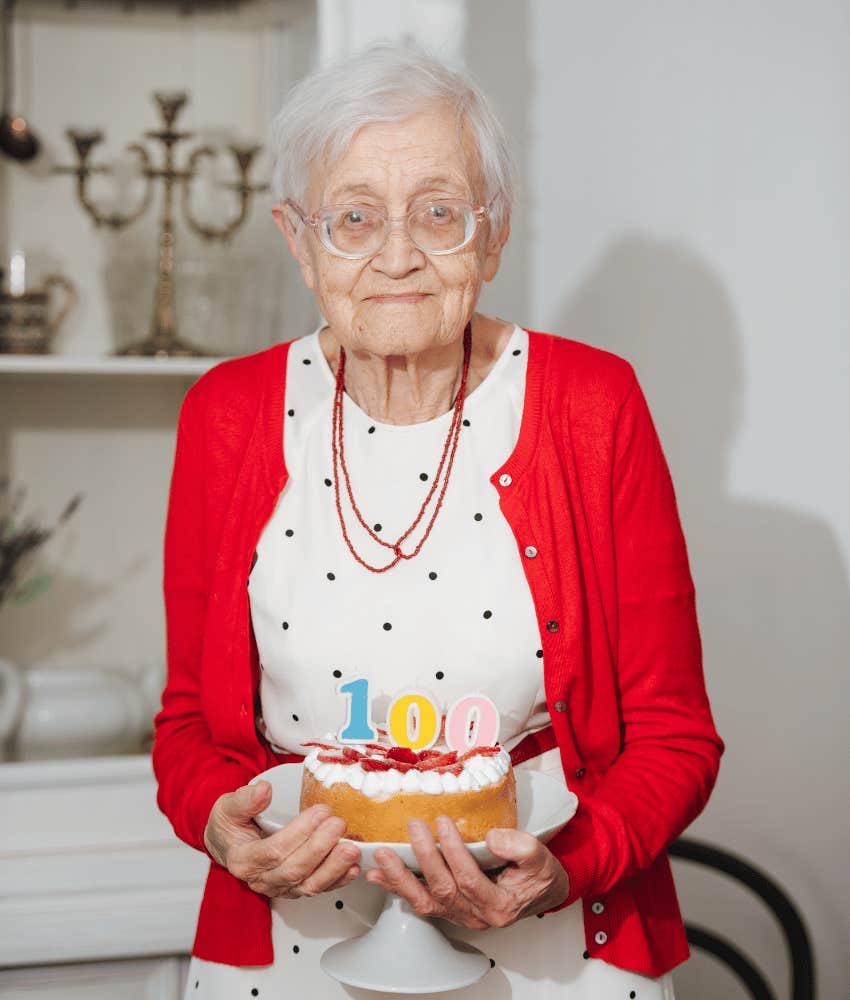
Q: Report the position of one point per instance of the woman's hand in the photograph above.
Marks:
(456, 889)
(303, 858)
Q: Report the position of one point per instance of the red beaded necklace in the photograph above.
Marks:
(449, 450)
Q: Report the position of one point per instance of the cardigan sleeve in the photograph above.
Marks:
(191, 772)
(669, 748)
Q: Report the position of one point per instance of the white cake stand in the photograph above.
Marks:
(404, 952)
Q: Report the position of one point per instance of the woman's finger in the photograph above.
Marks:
(438, 876)
(306, 858)
(271, 850)
(398, 878)
(329, 872)
(464, 870)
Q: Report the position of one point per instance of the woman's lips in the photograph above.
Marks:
(398, 298)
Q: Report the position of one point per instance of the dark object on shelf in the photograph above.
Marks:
(786, 913)
(17, 139)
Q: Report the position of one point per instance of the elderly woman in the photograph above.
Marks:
(435, 499)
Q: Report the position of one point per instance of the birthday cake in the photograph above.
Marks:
(377, 787)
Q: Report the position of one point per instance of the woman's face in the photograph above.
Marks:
(396, 165)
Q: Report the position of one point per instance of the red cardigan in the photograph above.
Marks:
(587, 485)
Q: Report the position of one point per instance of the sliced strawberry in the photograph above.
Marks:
(328, 758)
(404, 754)
(376, 747)
(351, 754)
(455, 769)
(428, 754)
(479, 751)
(315, 743)
(371, 764)
(400, 765)
(441, 760)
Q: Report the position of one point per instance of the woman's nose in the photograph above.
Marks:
(399, 255)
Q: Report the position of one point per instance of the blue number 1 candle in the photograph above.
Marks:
(358, 728)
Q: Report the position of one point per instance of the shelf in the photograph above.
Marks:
(55, 364)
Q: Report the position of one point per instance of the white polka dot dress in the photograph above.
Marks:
(457, 619)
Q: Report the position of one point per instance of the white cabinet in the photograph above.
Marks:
(96, 891)
(149, 979)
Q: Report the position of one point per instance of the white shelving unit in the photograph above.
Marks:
(58, 364)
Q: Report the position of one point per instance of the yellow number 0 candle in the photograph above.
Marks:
(414, 721)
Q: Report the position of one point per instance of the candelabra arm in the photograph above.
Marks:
(115, 220)
(245, 190)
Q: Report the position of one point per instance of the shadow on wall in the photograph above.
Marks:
(771, 585)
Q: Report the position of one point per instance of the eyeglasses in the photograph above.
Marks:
(358, 231)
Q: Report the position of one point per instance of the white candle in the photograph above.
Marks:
(17, 273)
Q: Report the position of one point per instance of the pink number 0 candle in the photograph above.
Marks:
(472, 721)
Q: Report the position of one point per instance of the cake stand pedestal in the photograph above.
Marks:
(402, 952)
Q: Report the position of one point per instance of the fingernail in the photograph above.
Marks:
(320, 814)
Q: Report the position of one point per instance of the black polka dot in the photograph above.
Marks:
(306, 361)
(262, 667)
(585, 954)
(439, 675)
(284, 625)
(331, 576)
(372, 429)
(291, 413)
(488, 614)
(328, 482)
(255, 992)
(377, 527)
(465, 423)
(539, 654)
(492, 963)
(337, 673)
(294, 718)
(423, 476)
(432, 575)
(517, 353)
(338, 904)
(387, 626)
(196, 984)
(289, 532)
(632, 994)
(479, 517)
(296, 949)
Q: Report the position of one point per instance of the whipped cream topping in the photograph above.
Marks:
(478, 772)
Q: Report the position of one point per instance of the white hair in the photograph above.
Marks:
(386, 82)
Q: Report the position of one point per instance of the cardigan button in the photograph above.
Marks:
(560, 706)
(505, 479)
(552, 626)
(530, 551)
(598, 907)
(580, 772)
(600, 937)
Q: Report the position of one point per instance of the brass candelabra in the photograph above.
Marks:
(163, 340)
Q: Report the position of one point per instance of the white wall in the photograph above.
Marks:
(687, 206)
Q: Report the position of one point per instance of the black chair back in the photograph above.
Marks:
(786, 913)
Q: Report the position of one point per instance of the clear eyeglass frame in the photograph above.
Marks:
(476, 214)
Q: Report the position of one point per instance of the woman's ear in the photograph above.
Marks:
(295, 232)
(493, 253)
